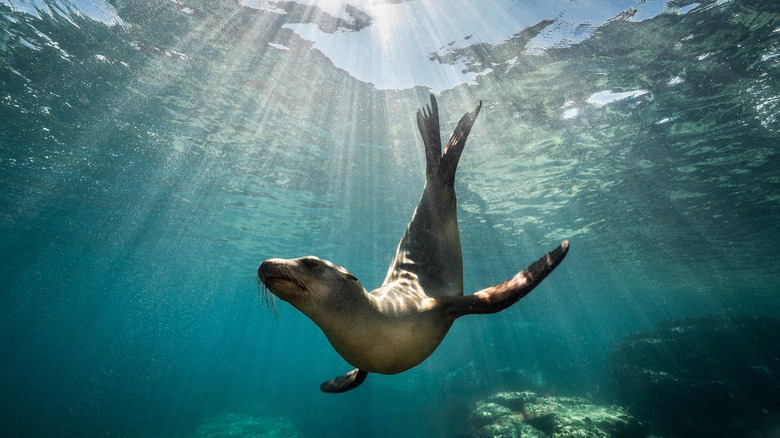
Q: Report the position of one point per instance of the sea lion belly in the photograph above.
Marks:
(390, 345)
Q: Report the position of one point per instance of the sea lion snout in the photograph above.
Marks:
(268, 268)
(274, 271)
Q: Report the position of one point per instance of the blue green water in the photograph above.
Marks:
(152, 154)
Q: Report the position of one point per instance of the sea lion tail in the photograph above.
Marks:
(501, 296)
(428, 123)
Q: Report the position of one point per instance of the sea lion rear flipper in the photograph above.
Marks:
(344, 383)
(501, 296)
(428, 123)
(454, 147)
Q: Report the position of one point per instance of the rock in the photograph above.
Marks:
(516, 401)
(244, 426)
(525, 414)
(714, 376)
(509, 430)
(488, 413)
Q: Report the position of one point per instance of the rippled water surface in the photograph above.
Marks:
(153, 153)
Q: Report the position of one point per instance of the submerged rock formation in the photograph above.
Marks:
(713, 376)
(525, 414)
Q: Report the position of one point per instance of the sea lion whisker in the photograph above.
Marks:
(269, 300)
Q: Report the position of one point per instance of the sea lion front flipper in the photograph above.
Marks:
(501, 296)
(344, 383)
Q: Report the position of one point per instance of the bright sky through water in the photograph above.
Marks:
(393, 51)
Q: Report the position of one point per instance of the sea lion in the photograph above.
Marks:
(400, 324)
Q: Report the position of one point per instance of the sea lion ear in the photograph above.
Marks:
(344, 383)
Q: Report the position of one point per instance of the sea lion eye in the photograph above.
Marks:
(309, 263)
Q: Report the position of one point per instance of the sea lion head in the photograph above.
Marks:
(309, 283)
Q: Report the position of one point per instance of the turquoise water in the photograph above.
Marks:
(152, 154)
